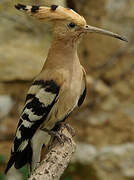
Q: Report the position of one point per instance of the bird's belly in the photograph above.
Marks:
(69, 98)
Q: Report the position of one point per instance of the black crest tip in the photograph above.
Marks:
(34, 9)
(54, 7)
(21, 7)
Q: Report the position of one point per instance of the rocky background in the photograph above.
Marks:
(105, 123)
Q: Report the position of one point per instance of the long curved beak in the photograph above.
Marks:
(92, 29)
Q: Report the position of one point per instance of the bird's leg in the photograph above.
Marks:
(60, 136)
(68, 126)
(37, 142)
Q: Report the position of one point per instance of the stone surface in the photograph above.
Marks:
(6, 104)
(14, 175)
(115, 159)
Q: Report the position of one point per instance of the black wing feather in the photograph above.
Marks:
(82, 97)
(19, 157)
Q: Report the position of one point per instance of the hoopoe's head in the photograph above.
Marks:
(67, 23)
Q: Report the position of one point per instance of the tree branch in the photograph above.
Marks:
(56, 160)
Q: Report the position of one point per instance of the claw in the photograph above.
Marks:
(66, 138)
(60, 136)
(68, 127)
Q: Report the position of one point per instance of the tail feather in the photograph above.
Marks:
(20, 158)
(10, 163)
(23, 157)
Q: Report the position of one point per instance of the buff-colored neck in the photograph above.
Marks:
(63, 53)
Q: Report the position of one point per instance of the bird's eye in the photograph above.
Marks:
(72, 25)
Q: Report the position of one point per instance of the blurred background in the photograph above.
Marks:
(105, 123)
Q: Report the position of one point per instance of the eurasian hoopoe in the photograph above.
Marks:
(58, 89)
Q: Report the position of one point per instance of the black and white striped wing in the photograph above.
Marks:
(40, 100)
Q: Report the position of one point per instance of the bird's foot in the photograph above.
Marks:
(59, 136)
(68, 127)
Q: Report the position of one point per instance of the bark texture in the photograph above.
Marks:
(56, 160)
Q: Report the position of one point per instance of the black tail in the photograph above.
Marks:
(20, 158)
(10, 163)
